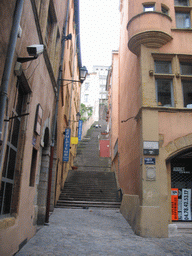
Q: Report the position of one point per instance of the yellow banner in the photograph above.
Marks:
(74, 140)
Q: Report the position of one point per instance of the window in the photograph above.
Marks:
(187, 93)
(164, 92)
(8, 173)
(186, 68)
(183, 20)
(163, 67)
(149, 8)
(50, 34)
(181, 2)
(86, 97)
(164, 10)
(33, 168)
(86, 86)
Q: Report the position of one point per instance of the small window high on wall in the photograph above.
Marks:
(181, 3)
(148, 7)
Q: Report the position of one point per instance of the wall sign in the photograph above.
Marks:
(186, 204)
(150, 147)
(74, 140)
(181, 204)
(149, 161)
(150, 173)
(80, 129)
(66, 147)
(174, 203)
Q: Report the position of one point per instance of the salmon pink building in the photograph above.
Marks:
(155, 115)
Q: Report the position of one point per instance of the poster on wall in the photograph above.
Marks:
(181, 204)
(174, 203)
(186, 204)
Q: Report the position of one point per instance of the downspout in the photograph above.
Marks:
(71, 95)
(59, 81)
(8, 65)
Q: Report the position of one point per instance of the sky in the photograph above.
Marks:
(99, 31)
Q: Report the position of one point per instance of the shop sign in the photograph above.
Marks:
(186, 204)
(80, 129)
(181, 204)
(151, 148)
(149, 161)
(180, 170)
(74, 140)
(66, 147)
(174, 203)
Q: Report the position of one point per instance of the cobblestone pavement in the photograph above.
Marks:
(94, 232)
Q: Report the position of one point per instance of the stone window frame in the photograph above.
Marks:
(184, 10)
(164, 9)
(168, 76)
(184, 77)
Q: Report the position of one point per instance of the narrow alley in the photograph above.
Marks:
(99, 232)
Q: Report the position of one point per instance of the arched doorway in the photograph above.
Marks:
(181, 186)
(43, 180)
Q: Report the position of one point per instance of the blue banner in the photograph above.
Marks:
(66, 146)
(80, 130)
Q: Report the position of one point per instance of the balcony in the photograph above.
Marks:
(152, 29)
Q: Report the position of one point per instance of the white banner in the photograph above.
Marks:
(186, 204)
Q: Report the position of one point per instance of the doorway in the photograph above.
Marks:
(181, 187)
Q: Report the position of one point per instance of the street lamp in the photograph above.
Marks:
(82, 73)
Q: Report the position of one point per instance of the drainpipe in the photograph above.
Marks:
(59, 81)
(71, 95)
(9, 63)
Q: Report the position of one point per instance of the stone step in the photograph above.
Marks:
(88, 204)
(89, 199)
(89, 189)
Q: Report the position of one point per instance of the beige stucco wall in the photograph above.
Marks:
(147, 202)
(22, 225)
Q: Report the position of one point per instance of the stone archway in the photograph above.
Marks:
(179, 159)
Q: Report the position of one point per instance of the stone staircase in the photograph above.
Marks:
(89, 189)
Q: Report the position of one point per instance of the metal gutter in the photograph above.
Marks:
(77, 28)
(9, 60)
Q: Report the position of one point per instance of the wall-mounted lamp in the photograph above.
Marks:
(33, 50)
(68, 37)
(151, 72)
(82, 75)
(78, 116)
